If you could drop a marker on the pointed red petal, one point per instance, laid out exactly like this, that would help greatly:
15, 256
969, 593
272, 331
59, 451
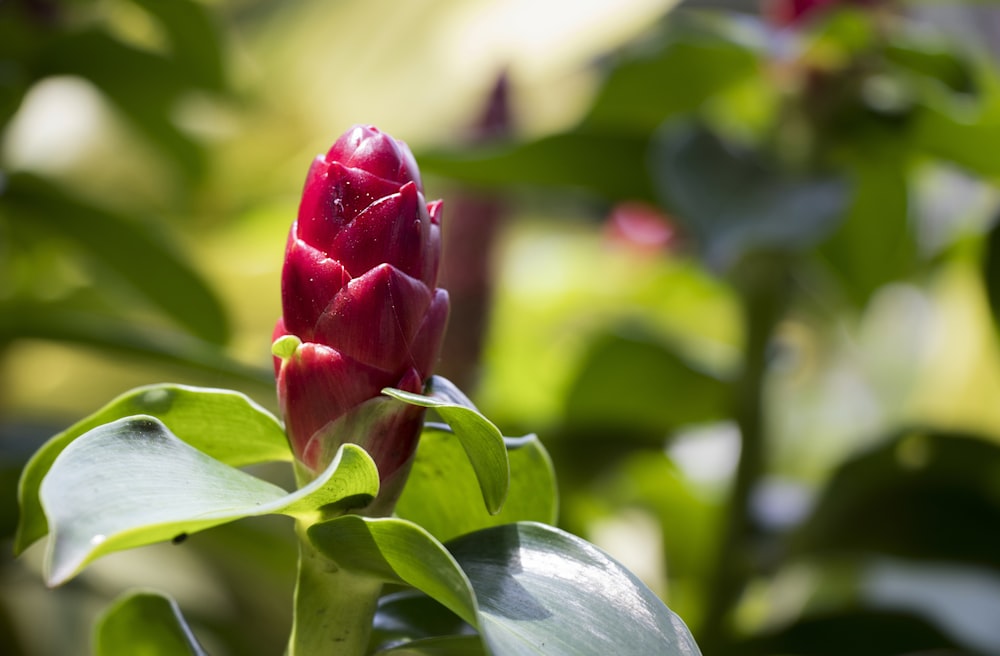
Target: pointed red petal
318, 218
375, 317
366, 147
309, 282
394, 230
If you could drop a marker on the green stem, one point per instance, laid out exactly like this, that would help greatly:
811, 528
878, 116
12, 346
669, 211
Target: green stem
334, 608
763, 296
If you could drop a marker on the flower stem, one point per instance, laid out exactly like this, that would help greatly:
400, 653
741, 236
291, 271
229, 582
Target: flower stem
334, 608
763, 291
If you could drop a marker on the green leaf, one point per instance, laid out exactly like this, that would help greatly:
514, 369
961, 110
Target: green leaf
875, 244
194, 39
226, 425
68, 322
481, 440
672, 75
939, 489
542, 590
129, 248
397, 551
146, 623
528, 588
737, 203
605, 162
859, 631
631, 381
966, 142
990, 268
132, 482
442, 493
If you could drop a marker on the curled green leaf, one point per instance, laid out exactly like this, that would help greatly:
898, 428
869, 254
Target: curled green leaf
224, 424
133, 482
482, 441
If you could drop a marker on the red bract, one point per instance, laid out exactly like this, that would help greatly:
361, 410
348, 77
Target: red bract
785, 13
358, 289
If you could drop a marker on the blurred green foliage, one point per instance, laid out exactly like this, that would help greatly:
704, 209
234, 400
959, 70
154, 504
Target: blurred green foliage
829, 297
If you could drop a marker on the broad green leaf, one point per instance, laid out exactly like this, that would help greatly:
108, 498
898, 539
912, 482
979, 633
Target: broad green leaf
605, 162
528, 588
194, 39
147, 624
226, 425
481, 440
871, 631
939, 488
542, 590
630, 381
970, 143
69, 322
876, 243
932, 60
132, 482
736, 203
442, 494
137, 254
674, 74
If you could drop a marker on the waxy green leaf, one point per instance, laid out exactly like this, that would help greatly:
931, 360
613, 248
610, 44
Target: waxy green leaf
482, 441
132, 482
442, 493
147, 623
226, 425
528, 588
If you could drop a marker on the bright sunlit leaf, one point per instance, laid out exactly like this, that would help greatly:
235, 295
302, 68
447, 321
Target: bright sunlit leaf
132, 482
526, 587
226, 425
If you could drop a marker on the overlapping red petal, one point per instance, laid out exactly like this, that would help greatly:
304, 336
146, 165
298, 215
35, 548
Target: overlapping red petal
375, 318
309, 283
395, 230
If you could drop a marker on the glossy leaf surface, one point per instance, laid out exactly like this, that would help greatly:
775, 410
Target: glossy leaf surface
938, 488
133, 482
528, 588
226, 425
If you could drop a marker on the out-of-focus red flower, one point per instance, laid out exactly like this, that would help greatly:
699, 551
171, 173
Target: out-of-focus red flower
359, 291
785, 13
640, 227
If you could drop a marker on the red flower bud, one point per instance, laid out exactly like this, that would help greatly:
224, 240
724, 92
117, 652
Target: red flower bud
358, 289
